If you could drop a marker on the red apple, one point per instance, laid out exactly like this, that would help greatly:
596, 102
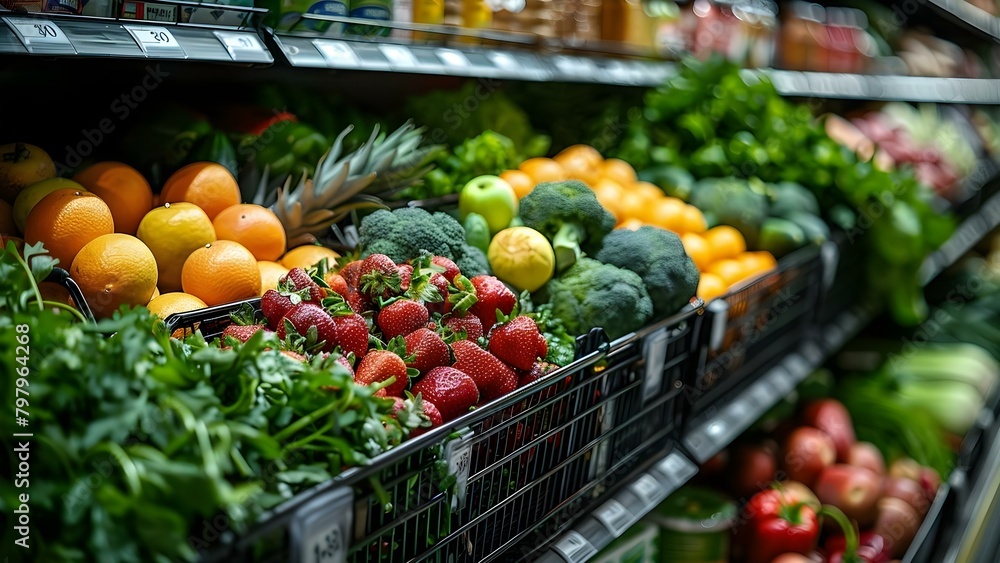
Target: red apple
807, 452
753, 468
865, 454
908, 490
905, 467
800, 493
854, 490
832, 417
930, 481
898, 523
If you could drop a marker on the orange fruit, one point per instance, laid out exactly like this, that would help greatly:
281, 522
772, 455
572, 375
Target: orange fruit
208, 185
18, 243
543, 170
175, 302
632, 205
694, 221
711, 286
51, 291
65, 221
619, 171
609, 195
270, 273
307, 256
172, 233
756, 263
697, 249
520, 181
648, 190
725, 241
29, 197
631, 224
221, 272
114, 270
667, 213
580, 168
253, 226
731, 271
123, 188
7, 226
586, 153
21, 165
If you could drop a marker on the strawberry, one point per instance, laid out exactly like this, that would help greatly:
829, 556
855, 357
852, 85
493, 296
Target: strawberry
294, 355
351, 335
469, 324
518, 343
298, 279
428, 350
450, 268
241, 332
491, 296
379, 277
441, 283
310, 322
451, 391
275, 305
342, 360
337, 284
358, 302
433, 414
493, 377
402, 317
405, 273
378, 366
351, 272
537, 371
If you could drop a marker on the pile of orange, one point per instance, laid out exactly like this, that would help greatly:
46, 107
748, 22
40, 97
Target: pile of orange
720, 253
633, 202
198, 247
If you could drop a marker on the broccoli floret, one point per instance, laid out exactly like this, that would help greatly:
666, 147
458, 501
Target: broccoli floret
569, 214
591, 294
658, 256
404, 234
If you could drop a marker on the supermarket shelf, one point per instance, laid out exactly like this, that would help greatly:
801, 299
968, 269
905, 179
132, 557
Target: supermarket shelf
54, 35
884, 88
968, 233
969, 16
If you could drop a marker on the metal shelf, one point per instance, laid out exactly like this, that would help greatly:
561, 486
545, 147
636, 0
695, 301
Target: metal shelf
969, 16
968, 233
55, 35
884, 88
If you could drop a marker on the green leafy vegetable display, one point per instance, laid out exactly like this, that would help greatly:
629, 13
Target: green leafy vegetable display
714, 121
144, 445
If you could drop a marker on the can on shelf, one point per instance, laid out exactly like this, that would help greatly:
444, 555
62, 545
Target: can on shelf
695, 526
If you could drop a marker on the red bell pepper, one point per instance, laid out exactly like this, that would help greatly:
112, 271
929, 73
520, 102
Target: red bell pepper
850, 548
778, 522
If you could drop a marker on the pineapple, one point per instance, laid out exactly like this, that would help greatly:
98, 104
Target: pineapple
379, 168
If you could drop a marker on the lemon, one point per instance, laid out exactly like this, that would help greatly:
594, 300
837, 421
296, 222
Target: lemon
172, 232
30, 196
522, 257
270, 273
171, 303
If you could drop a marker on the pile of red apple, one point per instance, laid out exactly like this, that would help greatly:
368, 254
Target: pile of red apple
822, 463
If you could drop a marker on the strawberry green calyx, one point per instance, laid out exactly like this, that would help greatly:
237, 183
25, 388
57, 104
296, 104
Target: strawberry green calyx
464, 296
378, 283
335, 305
246, 315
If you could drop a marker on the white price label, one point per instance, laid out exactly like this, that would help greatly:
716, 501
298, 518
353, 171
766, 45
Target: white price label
337, 54
399, 57
648, 489
320, 532
453, 58
615, 517
155, 40
459, 454
41, 36
242, 45
574, 547
655, 352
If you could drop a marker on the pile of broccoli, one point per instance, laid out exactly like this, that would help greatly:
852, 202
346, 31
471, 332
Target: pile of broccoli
570, 216
404, 234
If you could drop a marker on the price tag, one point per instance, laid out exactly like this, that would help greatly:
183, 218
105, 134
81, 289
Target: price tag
320, 531
615, 517
574, 548
399, 57
459, 454
338, 54
649, 490
452, 58
41, 36
655, 352
156, 41
243, 46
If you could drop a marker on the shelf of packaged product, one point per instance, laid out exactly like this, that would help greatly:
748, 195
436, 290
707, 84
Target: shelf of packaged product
56, 35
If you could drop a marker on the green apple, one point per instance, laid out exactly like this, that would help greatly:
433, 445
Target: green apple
490, 196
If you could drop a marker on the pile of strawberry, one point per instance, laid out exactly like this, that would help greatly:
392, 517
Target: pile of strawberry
416, 329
